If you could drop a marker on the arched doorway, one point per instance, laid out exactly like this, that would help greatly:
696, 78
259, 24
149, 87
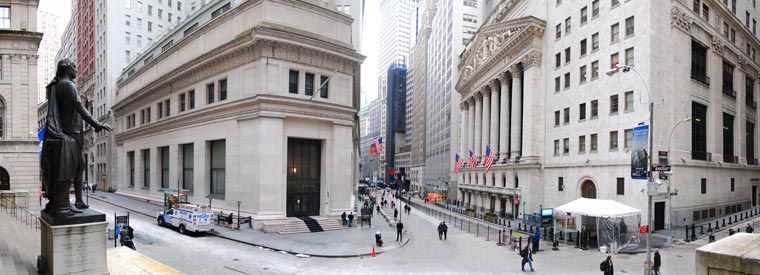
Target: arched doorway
5, 179
588, 189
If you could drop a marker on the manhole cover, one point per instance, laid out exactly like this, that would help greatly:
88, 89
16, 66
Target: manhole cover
235, 260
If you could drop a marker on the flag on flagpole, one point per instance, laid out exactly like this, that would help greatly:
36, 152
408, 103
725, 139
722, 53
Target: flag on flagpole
379, 145
489, 158
372, 152
458, 162
473, 159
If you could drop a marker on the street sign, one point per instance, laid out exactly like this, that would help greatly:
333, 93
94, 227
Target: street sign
643, 229
665, 168
662, 156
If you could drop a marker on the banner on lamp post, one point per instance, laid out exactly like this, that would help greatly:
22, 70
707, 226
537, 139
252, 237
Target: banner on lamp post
639, 153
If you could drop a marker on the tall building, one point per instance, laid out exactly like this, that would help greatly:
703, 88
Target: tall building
444, 48
396, 37
68, 45
417, 95
19, 162
51, 25
564, 129
267, 119
119, 31
371, 117
395, 123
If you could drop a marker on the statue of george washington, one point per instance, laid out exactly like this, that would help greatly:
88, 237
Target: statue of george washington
62, 161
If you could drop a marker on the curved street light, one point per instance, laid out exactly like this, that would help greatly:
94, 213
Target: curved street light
670, 197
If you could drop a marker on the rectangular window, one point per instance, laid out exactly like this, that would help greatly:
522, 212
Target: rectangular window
557, 84
150, 26
187, 166
566, 114
628, 138
160, 14
621, 186
594, 8
139, 41
127, 56
148, 113
613, 140
191, 96
582, 111
699, 63
150, 10
583, 47
131, 164
567, 80
582, 74
182, 102
629, 26
146, 168
556, 118
728, 79
698, 131
705, 12
557, 60
210, 94
615, 3
615, 31
126, 22
703, 186
613, 104
696, 5
565, 146
593, 142
309, 85
142, 117
5, 17
560, 184
164, 166
614, 60
581, 144
595, 70
629, 56
160, 110
167, 106
567, 26
559, 31
221, 10
595, 41
556, 147
732, 184
293, 82
127, 38
584, 15
222, 89
750, 150
594, 108
567, 56
190, 30
629, 101
217, 157
728, 138
325, 84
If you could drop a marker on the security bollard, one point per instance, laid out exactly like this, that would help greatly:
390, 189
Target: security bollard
687, 234
578, 239
709, 227
716, 225
519, 245
729, 220
724, 222
561, 236
701, 230
545, 235
509, 223
693, 236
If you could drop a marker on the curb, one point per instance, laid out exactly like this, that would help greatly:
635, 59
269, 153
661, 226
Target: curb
214, 233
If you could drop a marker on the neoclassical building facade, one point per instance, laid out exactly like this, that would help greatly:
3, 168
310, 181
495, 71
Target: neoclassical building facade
534, 88
245, 106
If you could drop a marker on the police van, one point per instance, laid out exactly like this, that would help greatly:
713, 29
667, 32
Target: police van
186, 217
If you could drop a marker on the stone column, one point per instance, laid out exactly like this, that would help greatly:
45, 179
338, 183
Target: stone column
532, 84
465, 122
471, 128
478, 123
494, 118
499, 205
486, 126
516, 132
504, 119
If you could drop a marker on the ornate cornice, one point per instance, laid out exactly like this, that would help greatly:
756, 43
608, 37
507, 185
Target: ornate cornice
514, 70
680, 19
532, 59
503, 78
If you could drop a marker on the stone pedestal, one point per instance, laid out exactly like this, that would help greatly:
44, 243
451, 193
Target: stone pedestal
74, 245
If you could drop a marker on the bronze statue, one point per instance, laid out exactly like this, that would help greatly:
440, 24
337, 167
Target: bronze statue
62, 161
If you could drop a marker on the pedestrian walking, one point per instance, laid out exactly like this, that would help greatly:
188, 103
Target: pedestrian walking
442, 230
378, 239
378, 209
395, 213
343, 218
749, 228
350, 219
536, 238
229, 220
399, 229
657, 262
527, 257
607, 266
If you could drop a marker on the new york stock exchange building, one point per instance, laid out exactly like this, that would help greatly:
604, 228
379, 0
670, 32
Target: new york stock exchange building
244, 106
533, 86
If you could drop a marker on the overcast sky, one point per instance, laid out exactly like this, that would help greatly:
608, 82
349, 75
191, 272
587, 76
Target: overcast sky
60, 7
370, 50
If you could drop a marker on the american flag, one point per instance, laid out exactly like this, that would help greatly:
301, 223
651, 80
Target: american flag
458, 162
473, 159
379, 145
489, 158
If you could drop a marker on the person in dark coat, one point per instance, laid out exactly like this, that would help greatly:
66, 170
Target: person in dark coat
442, 229
749, 228
395, 213
399, 229
527, 257
350, 219
536, 238
607, 266
343, 219
657, 262
378, 239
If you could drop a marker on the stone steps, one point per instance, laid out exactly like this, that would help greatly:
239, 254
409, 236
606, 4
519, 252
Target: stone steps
19, 247
299, 226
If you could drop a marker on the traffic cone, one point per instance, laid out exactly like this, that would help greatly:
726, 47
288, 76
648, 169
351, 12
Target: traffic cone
373, 251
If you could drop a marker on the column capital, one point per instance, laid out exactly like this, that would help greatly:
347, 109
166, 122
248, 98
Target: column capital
478, 94
532, 59
514, 70
503, 78
496, 82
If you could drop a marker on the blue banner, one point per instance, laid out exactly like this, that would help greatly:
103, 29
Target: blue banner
639, 153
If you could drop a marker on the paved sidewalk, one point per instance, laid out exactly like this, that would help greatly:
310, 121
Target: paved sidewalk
339, 243
19, 246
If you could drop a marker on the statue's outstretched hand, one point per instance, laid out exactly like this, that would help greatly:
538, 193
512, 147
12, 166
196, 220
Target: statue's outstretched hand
103, 126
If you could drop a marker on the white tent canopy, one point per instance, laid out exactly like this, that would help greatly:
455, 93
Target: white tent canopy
596, 208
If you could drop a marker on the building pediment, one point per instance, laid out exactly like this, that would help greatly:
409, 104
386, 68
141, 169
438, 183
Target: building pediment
494, 42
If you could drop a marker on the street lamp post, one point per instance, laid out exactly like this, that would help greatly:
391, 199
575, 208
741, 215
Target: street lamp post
650, 179
670, 197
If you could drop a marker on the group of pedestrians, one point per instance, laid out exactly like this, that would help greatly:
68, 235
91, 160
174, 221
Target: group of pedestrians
348, 220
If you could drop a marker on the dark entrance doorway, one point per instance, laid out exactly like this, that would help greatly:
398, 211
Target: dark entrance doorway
5, 179
588, 189
659, 215
754, 195
303, 178
588, 224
